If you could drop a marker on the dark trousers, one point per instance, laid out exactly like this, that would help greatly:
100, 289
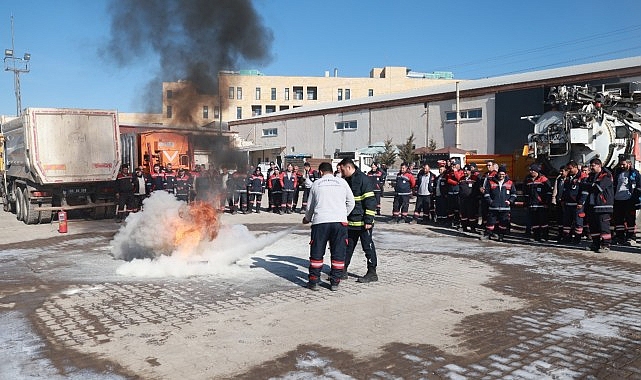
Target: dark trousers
624, 219
296, 196
124, 200
453, 207
600, 229
423, 206
288, 199
377, 196
336, 235
441, 208
305, 198
401, 205
276, 200
366, 243
573, 221
539, 222
497, 222
255, 200
469, 211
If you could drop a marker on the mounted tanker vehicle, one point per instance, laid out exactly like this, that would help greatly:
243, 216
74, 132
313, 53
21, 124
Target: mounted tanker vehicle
585, 123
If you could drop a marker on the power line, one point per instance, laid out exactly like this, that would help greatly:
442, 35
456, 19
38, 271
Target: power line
549, 46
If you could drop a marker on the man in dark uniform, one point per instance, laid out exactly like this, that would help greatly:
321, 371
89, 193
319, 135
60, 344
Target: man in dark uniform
361, 220
124, 193
538, 194
598, 197
378, 178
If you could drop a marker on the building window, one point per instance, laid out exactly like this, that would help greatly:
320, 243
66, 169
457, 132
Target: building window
170, 94
270, 132
283, 108
370, 92
257, 93
216, 112
476, 113
270, 109
231, 92
205, 112
273, 93
239, 112
287, 94
257, 110
340, 94
312, 93
347, 94
298, 93
346, 125
239, 93
170, 113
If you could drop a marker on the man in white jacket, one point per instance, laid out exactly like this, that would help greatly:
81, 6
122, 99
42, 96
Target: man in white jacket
330, 201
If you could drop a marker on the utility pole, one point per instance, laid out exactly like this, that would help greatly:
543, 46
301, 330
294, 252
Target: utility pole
17, 65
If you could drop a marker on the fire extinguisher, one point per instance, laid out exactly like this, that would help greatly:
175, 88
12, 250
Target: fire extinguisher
62, 221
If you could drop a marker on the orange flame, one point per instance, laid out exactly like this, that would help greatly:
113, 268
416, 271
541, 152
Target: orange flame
198, 221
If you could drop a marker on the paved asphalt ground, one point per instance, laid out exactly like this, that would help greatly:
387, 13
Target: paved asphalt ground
447, 306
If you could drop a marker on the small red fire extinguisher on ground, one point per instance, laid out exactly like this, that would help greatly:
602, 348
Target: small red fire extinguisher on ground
62, 221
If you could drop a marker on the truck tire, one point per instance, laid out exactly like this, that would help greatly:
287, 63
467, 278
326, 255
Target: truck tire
46, 216
19, 204
31, 213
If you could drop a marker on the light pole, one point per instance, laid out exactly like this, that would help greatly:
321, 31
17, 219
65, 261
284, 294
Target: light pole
17, 65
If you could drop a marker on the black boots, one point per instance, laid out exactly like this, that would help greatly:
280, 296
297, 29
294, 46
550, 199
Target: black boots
370, 276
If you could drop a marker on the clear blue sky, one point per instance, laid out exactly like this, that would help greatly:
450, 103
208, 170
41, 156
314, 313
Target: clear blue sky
471, 38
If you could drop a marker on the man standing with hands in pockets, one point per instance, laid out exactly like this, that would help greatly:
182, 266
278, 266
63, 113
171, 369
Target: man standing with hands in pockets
330, 201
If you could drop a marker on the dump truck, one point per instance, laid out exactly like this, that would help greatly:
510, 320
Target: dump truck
59, 159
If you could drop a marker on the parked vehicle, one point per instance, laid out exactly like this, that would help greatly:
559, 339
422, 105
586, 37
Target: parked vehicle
585, 122
59, 159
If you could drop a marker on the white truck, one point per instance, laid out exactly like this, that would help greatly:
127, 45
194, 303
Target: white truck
59, 159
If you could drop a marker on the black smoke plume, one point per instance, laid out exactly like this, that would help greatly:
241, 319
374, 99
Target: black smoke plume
194, 39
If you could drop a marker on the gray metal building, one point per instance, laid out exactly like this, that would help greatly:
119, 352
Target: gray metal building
490, 112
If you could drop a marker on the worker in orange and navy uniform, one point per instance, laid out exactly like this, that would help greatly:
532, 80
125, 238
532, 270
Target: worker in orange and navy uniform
275, 186
538, 193
183, 185
157, 178
491, 172
124, 193
256, 188
170, 179
378, 179
469, 196
499, 195
289, 182
598, 199
571, 199
454, 175
405, 184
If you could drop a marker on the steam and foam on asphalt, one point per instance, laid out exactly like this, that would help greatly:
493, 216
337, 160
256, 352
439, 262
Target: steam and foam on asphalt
173, 238
194, 39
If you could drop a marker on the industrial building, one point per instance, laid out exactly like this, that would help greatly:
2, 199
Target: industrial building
490, 115
249, 93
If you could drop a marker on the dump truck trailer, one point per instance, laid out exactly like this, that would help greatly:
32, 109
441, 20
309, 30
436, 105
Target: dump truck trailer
59, 159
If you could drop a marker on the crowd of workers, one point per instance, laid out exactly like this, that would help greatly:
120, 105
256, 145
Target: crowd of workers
583, 201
